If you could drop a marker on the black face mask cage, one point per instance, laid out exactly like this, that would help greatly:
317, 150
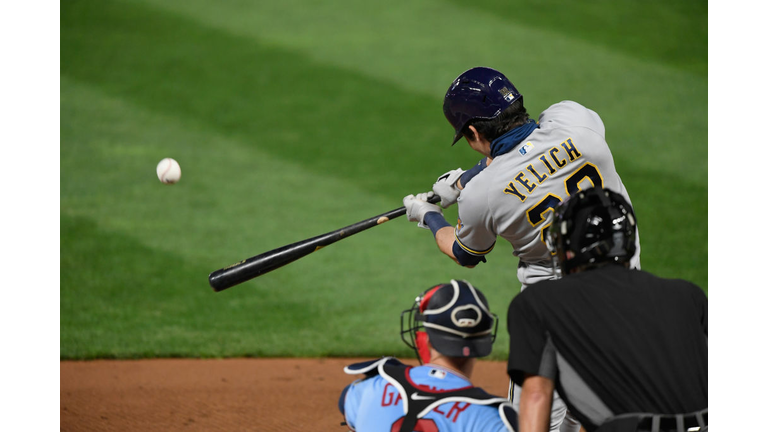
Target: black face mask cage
410, 323
495, 327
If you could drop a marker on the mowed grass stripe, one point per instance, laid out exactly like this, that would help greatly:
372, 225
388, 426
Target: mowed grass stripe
672, 219
639, 83
136, 254
673, 32
329, 120
227, 185
323, 143
121, 299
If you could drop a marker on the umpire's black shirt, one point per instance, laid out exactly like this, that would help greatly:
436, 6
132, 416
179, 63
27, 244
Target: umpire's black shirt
614, 341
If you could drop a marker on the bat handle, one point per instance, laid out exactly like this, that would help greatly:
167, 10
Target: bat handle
434, 199
257, 265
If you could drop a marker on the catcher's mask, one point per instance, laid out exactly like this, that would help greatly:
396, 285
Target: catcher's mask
593, 227
456, 318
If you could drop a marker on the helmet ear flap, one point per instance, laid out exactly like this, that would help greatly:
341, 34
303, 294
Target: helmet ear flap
411, 330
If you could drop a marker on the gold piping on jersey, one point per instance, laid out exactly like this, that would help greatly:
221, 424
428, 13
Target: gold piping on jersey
543, 158
535, 173
541, 175
512, 190
572, 183
472, 251
552, 152
520, 178
540, 215
571, 150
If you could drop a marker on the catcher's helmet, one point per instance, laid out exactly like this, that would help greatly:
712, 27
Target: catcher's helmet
591, 227
479, 93
456, 318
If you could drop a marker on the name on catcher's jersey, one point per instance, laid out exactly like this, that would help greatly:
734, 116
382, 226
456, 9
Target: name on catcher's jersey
515, 196
377, 405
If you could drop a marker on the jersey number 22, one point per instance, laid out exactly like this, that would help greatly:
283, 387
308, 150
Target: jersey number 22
537, 213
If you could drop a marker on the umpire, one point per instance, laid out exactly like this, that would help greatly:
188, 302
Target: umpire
625, 349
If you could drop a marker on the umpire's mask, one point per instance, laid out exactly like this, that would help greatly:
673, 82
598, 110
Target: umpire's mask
591, 228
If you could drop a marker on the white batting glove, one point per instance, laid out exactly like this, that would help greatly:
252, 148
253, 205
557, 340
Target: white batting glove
445, 187
417, 206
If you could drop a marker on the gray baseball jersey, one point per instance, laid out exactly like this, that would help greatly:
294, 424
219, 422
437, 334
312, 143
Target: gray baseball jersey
515, 195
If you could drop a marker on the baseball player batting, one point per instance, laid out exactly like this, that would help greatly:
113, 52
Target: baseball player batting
528, 168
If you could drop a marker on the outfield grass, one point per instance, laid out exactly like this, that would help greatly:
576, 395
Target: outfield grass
293, 118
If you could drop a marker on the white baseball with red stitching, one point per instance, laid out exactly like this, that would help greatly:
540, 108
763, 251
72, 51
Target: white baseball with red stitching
168, 171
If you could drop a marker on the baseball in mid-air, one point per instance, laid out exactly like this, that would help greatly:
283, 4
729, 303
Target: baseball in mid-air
168, 171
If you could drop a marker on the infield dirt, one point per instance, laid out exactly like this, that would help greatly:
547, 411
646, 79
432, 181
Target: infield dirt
215, 394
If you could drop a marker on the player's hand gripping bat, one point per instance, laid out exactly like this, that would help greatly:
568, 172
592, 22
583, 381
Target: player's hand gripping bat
257, 265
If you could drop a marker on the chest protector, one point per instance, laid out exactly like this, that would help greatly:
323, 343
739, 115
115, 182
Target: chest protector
418, 402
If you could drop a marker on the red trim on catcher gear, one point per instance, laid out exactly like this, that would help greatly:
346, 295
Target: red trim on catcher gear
425, 299
422, 425
422, 346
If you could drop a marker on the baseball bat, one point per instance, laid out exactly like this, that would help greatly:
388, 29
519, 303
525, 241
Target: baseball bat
258, 265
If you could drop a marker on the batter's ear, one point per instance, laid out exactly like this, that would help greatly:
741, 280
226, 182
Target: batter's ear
472, 133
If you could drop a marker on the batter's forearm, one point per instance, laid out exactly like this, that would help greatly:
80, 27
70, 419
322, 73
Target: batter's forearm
444, 236
445, 239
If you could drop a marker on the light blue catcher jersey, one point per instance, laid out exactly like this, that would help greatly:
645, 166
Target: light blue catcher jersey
515, 195
376, 405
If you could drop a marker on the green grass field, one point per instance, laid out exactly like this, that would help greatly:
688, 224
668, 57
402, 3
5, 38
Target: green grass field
294, 118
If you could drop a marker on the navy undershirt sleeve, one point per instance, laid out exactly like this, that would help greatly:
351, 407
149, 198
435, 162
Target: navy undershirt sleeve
465, 258
475, 170
435, 221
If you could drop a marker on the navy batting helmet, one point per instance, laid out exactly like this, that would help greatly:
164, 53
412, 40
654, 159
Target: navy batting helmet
479, 93
456, 318
591, 227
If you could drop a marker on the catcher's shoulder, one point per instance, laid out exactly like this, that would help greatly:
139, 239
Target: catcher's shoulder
370, 368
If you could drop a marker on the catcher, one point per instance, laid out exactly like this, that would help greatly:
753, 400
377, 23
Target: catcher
449, 327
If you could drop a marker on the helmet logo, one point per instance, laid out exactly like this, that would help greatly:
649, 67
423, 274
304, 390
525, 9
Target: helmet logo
465, 351
506, 94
